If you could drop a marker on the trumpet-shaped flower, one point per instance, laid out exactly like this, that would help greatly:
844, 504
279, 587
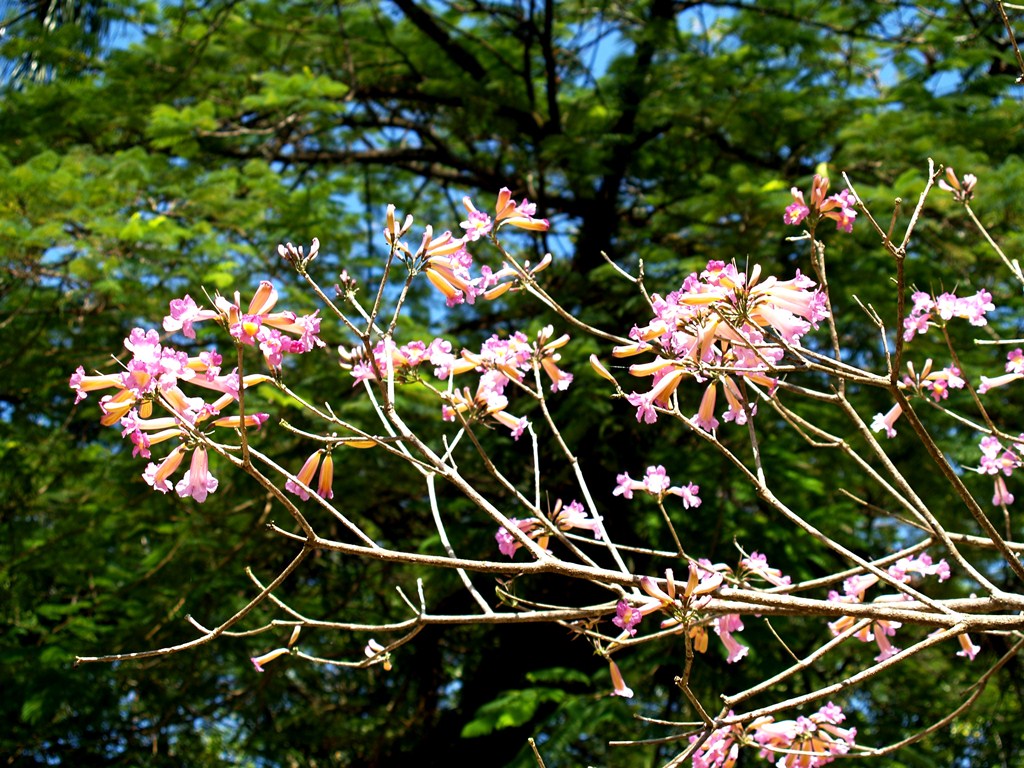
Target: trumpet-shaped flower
266, 658
619, 687
156, 474
967, 648
197, 482
1001, 495
724, 627
305, 476
884, 422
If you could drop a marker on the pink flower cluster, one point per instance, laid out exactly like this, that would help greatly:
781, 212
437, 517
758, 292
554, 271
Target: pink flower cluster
448, 264
656, 482
838, 207
705, 578
499, 362
806, 741
275, 333
880, 631
946, 306
153, 377
936, 383
962, 192
999, 461
683, 608
564, 518
801, 743
719, 328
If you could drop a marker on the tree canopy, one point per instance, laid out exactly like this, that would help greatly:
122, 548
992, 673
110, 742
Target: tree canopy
160, 147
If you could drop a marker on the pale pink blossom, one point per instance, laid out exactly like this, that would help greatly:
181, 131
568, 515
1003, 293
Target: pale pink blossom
619, 687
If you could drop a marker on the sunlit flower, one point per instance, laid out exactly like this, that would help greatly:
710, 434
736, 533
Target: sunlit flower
962, 192
324, 488
619, 687
838, 207
884, 422
626, 617
305, 476
724, 627
197, 482
807, 741
156, 475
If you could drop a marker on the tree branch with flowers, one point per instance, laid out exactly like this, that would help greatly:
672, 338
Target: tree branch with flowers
757, 347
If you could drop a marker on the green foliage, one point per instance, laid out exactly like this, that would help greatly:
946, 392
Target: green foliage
180, 157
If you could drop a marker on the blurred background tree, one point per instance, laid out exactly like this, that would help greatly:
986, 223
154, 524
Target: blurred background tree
148, 149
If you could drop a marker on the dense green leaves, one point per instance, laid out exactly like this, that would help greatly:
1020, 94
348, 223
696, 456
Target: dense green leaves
207, 133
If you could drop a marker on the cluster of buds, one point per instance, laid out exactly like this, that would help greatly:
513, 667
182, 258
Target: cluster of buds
946, 306
719, 328
705, 577
962, 191
838, 207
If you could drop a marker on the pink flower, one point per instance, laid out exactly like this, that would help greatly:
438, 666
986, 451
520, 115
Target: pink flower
796, 211
1002, 495
574, 515
757, 564
885, 422
619, 687
185, 312
508, 544
305, 476
881, 631
724, 627
626, 617
967, 648
688, 493
156, 476
197, 482
266, 658
478, 224
838, 207
705, 416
